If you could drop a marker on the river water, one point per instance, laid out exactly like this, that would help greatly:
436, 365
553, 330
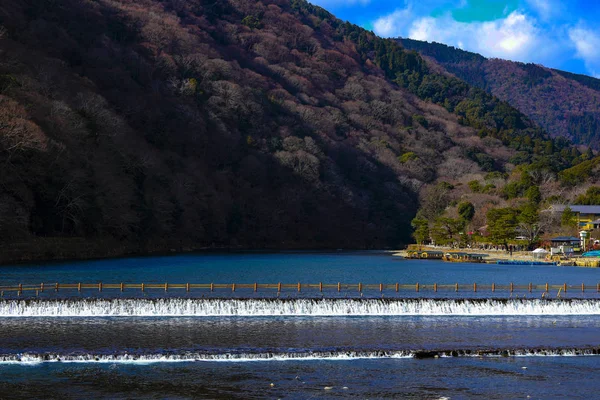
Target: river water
330, 344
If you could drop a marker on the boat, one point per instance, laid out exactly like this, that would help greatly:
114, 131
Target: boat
464, 257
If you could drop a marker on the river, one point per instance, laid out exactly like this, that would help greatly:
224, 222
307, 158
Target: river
312, 344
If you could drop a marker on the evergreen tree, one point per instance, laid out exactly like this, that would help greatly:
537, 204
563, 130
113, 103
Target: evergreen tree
502, 224
421, 227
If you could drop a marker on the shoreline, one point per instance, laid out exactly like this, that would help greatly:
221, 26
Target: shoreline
496, 256
491, 254
50, 251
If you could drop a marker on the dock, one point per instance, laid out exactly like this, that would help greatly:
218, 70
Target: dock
524, 262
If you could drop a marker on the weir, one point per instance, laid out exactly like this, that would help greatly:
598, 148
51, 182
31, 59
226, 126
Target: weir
181, 307
308, 355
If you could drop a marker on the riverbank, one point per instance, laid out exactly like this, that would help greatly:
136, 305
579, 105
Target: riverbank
490, 254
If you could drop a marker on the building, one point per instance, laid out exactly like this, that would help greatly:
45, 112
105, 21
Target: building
565, 241
564, 245
588, 217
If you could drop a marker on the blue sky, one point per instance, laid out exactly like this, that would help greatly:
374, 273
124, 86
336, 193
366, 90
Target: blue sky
558, 34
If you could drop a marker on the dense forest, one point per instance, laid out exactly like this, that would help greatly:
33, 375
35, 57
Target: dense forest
565, 104
171, 125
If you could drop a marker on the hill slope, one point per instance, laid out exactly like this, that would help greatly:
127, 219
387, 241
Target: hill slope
136, 126
565, 104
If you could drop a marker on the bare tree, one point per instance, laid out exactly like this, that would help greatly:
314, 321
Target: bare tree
542, 176
17, 132
550, 221
302, 163
71, 206
101, 120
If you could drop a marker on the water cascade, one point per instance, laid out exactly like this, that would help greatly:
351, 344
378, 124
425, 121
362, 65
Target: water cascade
295, 307
287, 356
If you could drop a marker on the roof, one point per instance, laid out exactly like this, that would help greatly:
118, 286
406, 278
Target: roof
540, 250
565, 239
579, 209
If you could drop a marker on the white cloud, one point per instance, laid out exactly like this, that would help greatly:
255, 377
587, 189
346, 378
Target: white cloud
538, 33
514, 37
587, 44
394, 24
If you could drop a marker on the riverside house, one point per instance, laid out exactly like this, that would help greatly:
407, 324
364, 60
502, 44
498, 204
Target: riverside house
588, 217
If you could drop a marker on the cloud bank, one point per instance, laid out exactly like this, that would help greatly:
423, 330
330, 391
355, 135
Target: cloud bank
538, 32
513, 37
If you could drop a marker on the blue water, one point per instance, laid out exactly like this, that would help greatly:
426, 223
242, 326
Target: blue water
346, 267
496, 353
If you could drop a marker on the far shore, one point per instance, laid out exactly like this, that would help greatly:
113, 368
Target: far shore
491, 254
51, 251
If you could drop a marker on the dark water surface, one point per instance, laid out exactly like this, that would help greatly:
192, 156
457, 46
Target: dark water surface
346, 267
132, 345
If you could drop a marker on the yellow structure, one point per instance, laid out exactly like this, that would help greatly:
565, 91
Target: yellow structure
464, 257
425, 254
588, 217
587, 262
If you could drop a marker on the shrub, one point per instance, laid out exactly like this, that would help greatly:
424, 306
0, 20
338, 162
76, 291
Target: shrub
475, 186
252, 22
408, 156
421, 120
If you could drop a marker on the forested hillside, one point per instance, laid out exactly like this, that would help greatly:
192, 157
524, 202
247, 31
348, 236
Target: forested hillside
565, 104
157, 125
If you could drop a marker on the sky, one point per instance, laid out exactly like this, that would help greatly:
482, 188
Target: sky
558, 34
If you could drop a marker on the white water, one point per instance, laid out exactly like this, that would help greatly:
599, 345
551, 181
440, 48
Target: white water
33, 358
297, 307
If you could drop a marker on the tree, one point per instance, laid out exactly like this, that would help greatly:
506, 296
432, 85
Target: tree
466, 210
475, 186
568, 219
17, 131
421, 227
529, 222
534, 195
590, 198
252, 22
446, 229
502, 224
434, 201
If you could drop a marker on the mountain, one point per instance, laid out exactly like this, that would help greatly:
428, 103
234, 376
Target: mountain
168, 125
565, 104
